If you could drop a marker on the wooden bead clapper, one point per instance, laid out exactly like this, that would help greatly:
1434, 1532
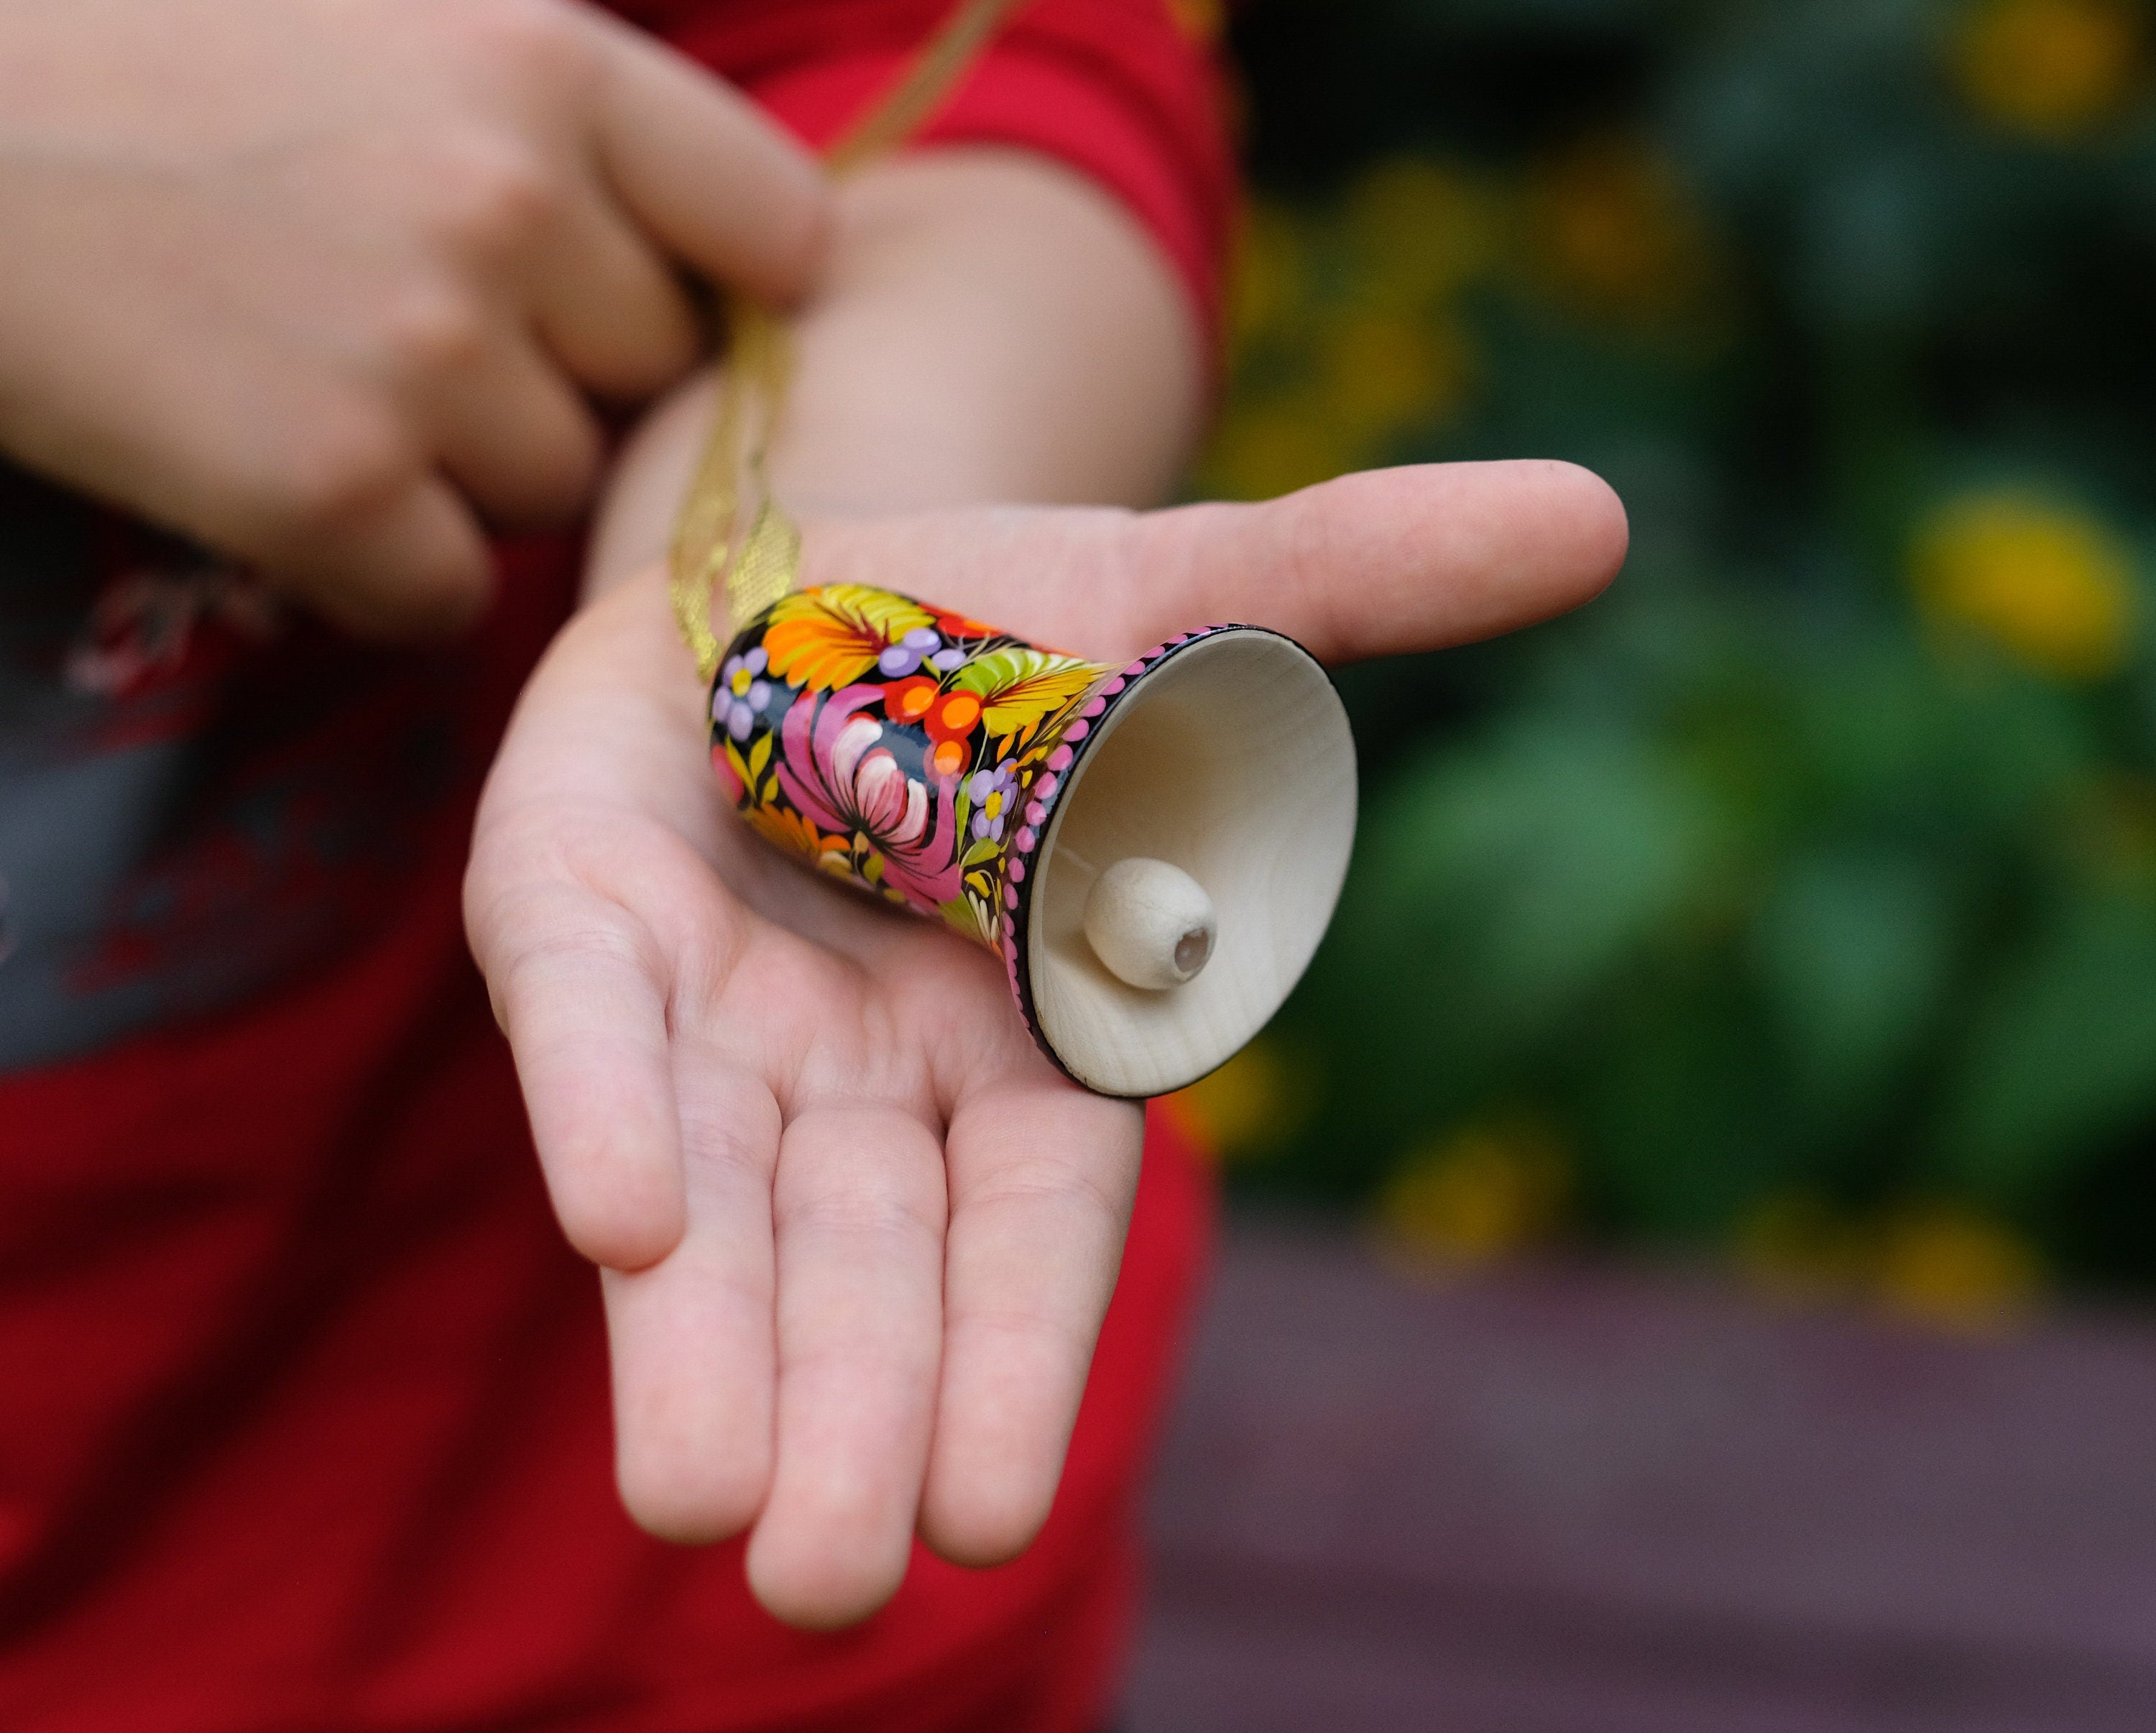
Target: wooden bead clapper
1150, 924
1154, 851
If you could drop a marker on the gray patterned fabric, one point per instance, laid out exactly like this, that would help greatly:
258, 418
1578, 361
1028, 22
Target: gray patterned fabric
194, 799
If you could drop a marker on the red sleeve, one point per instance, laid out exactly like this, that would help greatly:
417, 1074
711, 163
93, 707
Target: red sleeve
1120, 89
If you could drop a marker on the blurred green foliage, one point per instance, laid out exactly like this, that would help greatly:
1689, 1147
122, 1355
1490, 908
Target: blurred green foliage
1801, 892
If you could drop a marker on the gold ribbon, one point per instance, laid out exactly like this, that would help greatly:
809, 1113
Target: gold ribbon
711, 558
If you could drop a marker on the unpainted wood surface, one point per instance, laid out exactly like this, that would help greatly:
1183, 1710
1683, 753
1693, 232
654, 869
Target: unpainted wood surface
1234, 764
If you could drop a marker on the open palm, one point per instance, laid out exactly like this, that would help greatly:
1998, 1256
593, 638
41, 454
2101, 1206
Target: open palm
858, 1236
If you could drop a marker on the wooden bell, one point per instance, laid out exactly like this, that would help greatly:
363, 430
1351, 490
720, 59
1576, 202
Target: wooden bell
1154, 852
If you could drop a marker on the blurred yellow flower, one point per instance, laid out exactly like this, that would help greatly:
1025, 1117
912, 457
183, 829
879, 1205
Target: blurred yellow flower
2051, 68
1268, 282
1609, 228
1251, 1105
1939, 1262
1798, 1244
1487, 1190
1948, 1265
1263, 451
1380, 373
1336, 363
2050, 583
1418, 229
1367, 376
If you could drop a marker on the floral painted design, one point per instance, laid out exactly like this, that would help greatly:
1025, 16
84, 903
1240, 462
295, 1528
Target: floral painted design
739, 691
912, 751
892, 742
832, 637
1020, 688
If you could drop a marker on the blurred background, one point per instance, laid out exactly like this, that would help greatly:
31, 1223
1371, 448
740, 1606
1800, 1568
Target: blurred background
1696, 1222
1794, 906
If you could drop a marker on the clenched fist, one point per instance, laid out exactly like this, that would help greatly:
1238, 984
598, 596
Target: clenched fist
329, 285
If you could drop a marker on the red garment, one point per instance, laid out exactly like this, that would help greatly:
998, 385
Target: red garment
305, 1419
1115, 88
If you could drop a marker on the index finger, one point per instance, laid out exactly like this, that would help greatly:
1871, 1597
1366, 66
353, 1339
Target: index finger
709, 177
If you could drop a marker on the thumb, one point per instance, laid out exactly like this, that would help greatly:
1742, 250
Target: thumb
1389, 560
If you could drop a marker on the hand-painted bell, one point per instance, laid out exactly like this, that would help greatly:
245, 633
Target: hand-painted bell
1154, 851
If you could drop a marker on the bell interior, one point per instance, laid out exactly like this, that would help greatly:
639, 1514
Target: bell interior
1233, 761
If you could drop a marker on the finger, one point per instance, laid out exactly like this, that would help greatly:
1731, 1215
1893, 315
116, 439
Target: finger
1389, 560
694, 1363
515, 436
858, 1203
607, 306
414, 564
325, 495
1041, 1176
698, 166
579, 988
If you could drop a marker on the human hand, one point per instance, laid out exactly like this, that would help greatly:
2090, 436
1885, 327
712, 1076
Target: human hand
857, 1236
323, 283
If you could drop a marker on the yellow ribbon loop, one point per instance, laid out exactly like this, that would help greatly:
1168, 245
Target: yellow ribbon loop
704, 562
